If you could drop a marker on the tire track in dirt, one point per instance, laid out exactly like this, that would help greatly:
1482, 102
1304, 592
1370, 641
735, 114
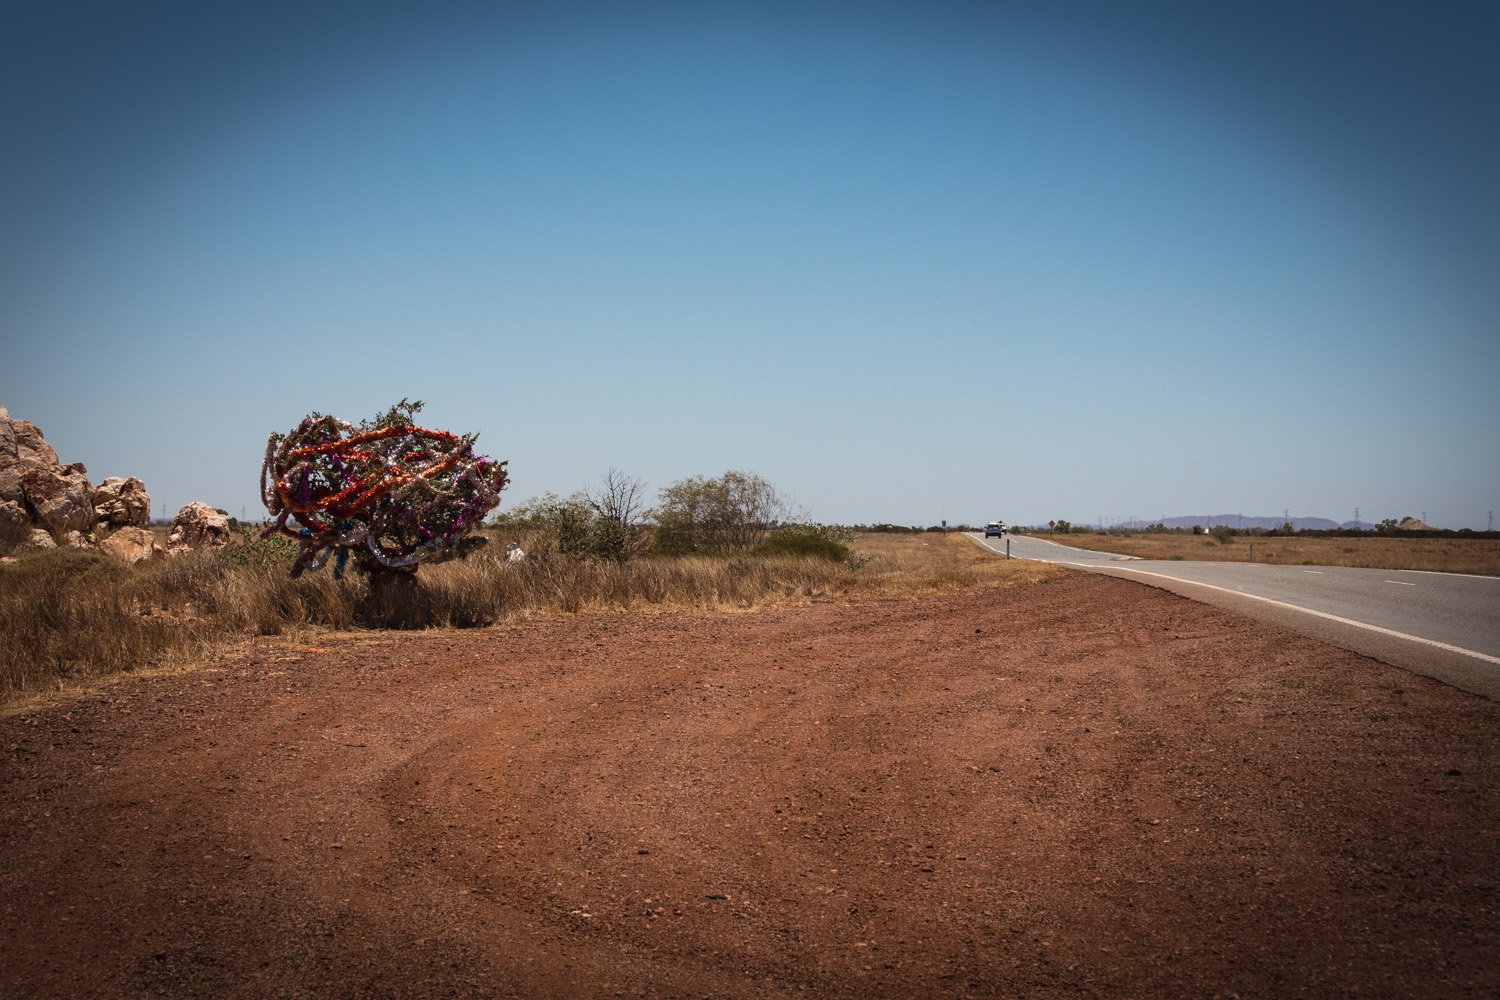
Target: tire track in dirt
1079, 787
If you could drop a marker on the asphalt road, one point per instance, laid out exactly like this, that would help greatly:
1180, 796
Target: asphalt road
1442, 625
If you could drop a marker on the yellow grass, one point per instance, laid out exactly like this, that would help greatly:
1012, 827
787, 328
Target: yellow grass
932, 561
67, 617
1449, 555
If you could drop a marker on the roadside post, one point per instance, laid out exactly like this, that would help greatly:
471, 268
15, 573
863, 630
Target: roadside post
1007, 548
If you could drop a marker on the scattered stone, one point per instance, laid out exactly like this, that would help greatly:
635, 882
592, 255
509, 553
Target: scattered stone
77, 540
197, 525
130, 544
122, 501
41, 540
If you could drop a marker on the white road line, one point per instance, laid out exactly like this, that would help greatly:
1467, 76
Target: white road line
1314, 572
1438, 572
1401, 583
1309, 611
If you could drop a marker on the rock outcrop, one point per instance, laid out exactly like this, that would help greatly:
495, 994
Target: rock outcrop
196, 525
54, 502
60, 496
12, 495
122, 502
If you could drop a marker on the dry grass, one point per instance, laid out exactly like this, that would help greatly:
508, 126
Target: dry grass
1449, 555
932, 562
68, 617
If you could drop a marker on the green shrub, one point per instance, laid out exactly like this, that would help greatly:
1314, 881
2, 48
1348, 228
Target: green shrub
247, 548
823, 541
728, 514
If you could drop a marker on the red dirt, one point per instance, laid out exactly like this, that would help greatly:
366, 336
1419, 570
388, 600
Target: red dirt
1084, 787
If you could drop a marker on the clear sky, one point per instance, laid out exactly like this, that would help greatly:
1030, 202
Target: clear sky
906, 261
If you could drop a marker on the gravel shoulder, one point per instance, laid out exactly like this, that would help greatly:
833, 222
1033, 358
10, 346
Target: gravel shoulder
1080, 787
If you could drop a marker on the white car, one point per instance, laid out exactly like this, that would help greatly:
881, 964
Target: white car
994, 529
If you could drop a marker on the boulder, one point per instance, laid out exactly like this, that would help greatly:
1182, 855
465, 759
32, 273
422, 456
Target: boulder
77, 540
131, 544
40, 541
12, 512
120, 501
196, 525
60, 495
30, 447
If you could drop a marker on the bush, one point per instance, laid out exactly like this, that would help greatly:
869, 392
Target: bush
247, 548
728, 514
823, 541
568, 526
1222, 533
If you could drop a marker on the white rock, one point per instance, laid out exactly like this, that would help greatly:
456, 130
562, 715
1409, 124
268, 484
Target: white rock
60, 495
131, 544
196, 525
122, 501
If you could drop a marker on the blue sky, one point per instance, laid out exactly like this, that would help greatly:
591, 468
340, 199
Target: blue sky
905, 261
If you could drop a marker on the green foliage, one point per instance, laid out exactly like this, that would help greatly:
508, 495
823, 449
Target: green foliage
247, 548
728, 514
609, 539
403, 413
1222, 533
824, 541
568, 526
1060, 526
1386, 527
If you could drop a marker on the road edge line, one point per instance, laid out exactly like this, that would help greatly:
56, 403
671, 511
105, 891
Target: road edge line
1446, 647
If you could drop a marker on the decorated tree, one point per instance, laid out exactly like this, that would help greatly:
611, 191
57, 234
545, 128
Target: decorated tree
387, 493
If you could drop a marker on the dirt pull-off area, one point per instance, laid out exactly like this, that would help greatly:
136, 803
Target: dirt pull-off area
1085, 787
